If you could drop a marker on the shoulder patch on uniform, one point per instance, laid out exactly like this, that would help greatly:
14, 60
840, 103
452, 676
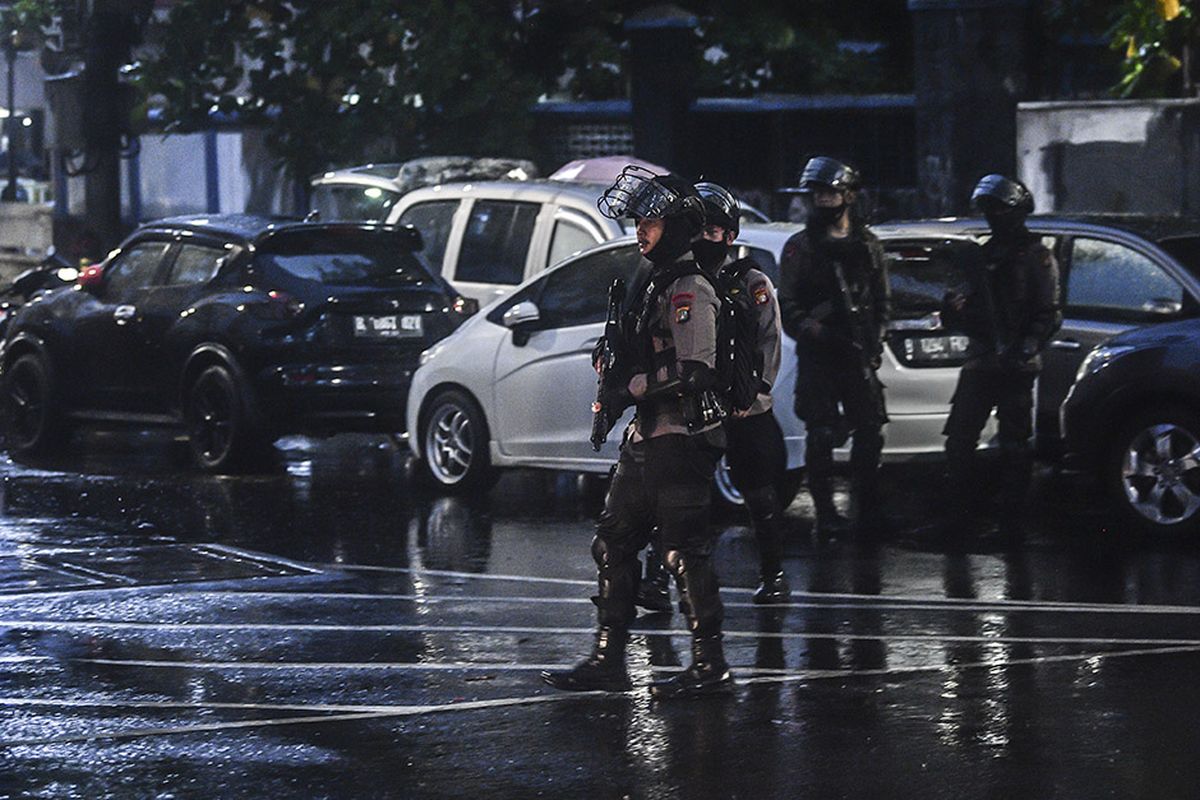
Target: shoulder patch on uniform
761, 292
683, 313
682, 298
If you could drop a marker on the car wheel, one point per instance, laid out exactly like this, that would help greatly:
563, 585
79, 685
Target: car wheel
1152, 472
219, 418
728, 496
35, 423
454, 445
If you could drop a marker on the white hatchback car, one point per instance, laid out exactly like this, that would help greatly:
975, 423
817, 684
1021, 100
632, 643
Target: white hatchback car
513, 386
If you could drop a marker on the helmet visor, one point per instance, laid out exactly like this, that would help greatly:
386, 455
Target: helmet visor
636, 193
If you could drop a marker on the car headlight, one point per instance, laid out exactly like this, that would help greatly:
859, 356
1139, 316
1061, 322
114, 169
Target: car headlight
1101, 357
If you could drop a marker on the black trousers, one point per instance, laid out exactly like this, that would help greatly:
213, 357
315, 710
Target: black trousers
755, 452
664, 482
980, 389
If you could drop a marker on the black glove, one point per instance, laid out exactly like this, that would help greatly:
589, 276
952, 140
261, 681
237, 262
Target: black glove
616, 399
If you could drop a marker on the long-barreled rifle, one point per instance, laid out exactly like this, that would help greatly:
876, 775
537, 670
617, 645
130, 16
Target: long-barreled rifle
610, 368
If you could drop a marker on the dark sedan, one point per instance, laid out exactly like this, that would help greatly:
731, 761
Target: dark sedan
1133, 417
240, 328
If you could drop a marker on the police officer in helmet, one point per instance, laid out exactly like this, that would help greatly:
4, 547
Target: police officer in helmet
664, 474
835, 301
1009, 310
755, 450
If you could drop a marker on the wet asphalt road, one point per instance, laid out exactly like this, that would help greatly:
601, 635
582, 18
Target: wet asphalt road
327, 631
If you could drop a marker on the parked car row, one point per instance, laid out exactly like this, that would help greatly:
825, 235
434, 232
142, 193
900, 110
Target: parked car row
241, 329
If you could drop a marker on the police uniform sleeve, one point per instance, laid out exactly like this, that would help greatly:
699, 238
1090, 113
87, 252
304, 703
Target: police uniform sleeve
881, 287
793, 267
766, 306
693, 321
1045, 316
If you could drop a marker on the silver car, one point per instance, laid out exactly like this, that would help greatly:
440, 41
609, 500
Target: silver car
513, 386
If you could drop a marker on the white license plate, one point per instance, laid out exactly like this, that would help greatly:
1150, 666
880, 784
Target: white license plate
387, 326
932, 349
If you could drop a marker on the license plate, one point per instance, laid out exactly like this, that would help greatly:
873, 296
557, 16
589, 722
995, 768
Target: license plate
935, 349
387, 326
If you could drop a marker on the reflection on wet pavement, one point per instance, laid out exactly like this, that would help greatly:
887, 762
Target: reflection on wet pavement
326, 630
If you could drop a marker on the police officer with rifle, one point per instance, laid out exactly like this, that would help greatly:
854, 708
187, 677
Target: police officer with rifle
668, 454
1009, 310
835, 301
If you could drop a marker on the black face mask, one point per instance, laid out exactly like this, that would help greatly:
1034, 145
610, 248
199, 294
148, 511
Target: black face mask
1005, 223
824, 216
709, 254
676, 240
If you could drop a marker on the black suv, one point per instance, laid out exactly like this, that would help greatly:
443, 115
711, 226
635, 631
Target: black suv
242, 328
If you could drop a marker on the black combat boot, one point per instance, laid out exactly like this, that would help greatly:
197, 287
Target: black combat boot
765, 519
654, 593
708, 674
604, 670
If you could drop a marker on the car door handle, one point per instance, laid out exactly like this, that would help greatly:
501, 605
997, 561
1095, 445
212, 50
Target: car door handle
124, 314
590, 344
1066, 344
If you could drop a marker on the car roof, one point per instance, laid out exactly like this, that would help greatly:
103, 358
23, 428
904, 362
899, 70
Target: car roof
1148, 226
542, 190
250, 228
405, 176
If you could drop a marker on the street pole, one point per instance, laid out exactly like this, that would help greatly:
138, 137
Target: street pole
9, 194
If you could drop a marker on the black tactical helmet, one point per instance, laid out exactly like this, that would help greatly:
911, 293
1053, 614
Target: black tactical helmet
827, 172
640, 193
720, 206
1003, 194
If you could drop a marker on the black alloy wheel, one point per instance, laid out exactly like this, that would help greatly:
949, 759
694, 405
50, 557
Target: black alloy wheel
35, 425
218, 415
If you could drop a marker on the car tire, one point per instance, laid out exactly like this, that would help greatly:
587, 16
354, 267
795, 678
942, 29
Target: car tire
219, 413
35, 425
728, 497
454, 445
1152, 471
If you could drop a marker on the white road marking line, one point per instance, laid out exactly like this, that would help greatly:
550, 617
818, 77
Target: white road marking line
588, 631
383, 712
884, 603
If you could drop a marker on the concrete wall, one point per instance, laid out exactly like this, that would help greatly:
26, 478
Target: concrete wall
25, 235
1111, 156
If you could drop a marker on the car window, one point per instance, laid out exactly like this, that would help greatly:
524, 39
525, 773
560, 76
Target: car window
1108, 280
568, 238
135, 268
577, 294
351, 261
434, 221
353, 202
194, 264
920, 274
496, 242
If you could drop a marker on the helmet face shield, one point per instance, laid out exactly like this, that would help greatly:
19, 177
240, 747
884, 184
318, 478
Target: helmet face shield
720, 206
638, 194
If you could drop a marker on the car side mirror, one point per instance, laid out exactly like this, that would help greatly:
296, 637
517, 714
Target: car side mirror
520, 318
91, 279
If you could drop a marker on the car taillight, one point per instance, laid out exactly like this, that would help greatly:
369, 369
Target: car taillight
278, 305
465, 306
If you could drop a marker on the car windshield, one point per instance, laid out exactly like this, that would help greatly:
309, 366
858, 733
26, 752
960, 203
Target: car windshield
353, 202
1185, 249
349, 259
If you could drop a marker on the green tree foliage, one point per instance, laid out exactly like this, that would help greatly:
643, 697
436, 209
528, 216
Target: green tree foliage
1158, 39
336, 81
